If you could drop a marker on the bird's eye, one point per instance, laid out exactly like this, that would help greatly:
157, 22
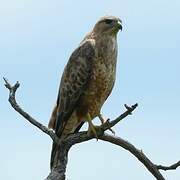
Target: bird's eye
108, 21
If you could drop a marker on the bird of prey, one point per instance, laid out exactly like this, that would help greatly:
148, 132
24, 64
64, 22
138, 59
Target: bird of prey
87, 80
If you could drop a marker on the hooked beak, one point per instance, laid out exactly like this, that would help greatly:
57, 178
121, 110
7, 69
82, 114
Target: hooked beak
119, 25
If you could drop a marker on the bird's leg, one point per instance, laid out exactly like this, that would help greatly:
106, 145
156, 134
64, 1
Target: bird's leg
91, 128
101, 119
104, 121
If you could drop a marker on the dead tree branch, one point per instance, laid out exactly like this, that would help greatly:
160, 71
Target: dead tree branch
136, 152
14, 104
172, 167
58, 173
112, 123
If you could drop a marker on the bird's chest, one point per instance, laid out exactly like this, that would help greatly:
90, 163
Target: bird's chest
102, 78
104, 69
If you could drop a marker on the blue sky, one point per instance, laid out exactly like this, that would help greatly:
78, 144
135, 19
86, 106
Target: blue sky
37, 38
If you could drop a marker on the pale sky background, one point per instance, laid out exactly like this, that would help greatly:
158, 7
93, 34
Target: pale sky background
36, 40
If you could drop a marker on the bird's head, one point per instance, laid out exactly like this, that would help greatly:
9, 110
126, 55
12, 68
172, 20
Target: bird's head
109, 25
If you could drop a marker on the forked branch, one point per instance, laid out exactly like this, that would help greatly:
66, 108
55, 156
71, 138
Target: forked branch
14, 104
59, 172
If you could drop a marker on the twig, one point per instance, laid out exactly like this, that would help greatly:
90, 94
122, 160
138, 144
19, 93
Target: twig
172, 167
14, 104
109, 124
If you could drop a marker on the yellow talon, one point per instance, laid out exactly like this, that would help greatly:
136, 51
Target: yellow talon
104, 121
91, 128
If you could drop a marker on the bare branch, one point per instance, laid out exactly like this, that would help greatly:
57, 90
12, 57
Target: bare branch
59, 171
82, 137
136, 152
154, 169
14, 104
110, 124
172, 167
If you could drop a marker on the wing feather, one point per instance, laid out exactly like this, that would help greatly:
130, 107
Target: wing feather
73, 82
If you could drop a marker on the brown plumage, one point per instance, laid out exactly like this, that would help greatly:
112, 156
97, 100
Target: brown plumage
87, 80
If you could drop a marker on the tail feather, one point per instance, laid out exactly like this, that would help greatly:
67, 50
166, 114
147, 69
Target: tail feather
70, 126
55, 148
53, 154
